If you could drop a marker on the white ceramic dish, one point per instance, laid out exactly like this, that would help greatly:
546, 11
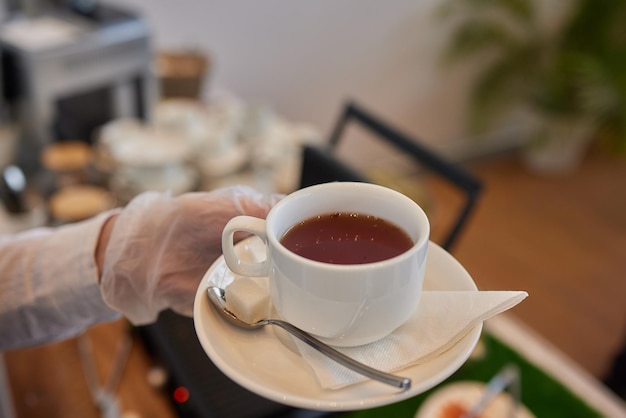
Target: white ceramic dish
127, 183
259, 362
464, 395
224, 163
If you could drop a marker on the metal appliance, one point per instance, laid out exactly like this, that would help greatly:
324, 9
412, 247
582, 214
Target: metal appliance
68, 67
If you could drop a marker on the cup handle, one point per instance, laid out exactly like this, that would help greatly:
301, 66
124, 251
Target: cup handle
249, 224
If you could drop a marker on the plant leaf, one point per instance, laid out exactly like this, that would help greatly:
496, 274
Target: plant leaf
521, 11
481, 37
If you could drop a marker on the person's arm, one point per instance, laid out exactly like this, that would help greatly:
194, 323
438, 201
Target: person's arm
49, 283
150, 256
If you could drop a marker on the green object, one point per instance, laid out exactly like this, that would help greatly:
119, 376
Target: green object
570, 69
541, 394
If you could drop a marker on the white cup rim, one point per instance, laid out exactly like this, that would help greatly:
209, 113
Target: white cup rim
422, 240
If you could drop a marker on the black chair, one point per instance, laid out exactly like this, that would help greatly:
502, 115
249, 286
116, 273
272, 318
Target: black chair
322, 164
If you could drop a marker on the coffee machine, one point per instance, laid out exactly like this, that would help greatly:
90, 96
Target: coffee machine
69, 66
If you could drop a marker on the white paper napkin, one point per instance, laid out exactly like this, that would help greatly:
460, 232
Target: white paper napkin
441, 320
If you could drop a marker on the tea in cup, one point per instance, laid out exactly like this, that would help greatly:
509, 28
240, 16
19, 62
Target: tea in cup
345, 260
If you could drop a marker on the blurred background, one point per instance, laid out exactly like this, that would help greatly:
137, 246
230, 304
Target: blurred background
102, 100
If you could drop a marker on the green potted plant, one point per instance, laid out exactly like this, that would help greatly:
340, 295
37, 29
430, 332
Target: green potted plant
570, 74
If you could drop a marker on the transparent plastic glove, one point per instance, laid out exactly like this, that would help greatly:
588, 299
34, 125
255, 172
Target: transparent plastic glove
161, 246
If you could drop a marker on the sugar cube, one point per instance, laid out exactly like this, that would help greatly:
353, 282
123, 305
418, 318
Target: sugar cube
248, 299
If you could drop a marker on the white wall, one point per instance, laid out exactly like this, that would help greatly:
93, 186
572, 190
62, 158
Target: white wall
305, 58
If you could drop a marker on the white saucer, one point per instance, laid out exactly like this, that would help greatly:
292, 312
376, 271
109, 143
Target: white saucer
464, 395
259, 362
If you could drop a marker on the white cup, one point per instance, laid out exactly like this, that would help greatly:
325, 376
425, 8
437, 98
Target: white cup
344, 305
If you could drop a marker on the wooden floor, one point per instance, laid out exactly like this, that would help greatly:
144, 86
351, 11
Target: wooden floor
562, 239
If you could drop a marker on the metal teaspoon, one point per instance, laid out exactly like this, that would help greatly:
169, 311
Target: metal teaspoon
217, 297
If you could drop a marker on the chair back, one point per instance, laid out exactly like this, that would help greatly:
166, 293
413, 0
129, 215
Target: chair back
320, 165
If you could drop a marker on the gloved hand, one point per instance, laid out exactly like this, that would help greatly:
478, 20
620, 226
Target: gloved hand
161, 246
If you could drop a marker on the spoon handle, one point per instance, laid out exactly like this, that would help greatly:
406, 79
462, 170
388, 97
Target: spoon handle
363, 369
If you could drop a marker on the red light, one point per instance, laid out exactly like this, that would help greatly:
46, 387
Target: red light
181, 394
